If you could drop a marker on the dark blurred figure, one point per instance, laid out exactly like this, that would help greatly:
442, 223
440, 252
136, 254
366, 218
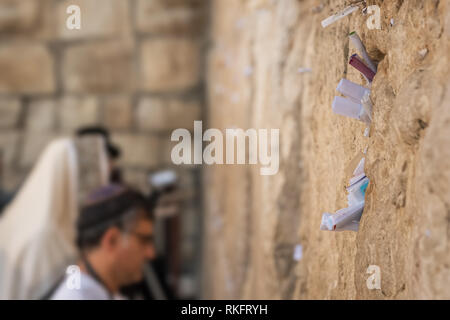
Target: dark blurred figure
5, 197
112, 150
162, 272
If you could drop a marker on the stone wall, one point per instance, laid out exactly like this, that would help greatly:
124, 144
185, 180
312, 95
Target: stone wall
135, 67
253, 221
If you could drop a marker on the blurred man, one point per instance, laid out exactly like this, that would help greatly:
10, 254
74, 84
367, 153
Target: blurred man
166, 200
115, 239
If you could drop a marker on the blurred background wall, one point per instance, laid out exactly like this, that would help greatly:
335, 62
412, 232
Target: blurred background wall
134, 67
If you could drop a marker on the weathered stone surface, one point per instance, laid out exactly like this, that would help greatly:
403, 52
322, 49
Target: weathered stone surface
75, 112
139, 150
170, 17
169, 64
167, 114
9, 142
26, 68
18, 14
99, 18
10, 109
100, 67
117, 112
41, 115
254, 222
28, 19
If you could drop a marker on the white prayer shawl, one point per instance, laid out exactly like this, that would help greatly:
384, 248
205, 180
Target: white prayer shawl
37, 230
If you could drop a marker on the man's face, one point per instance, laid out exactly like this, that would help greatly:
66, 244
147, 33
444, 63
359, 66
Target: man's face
135, 249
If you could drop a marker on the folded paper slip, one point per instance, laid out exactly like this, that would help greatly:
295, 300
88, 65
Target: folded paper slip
343, 219
359, 168
351, 168
356, 40
351, 90
358, 64
298, 252
356, 179
367, 104
337, 16
349, 108
357, 192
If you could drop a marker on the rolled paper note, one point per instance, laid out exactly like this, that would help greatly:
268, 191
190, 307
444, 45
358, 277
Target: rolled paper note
356, 40
304, 70
352, 90
359, 65
347, 107
341, 14
356, 179
351, 226
367, 104
364, 117
298, 252
354, 163
359, 168
327, 224
347, 215
357, 192
344, 219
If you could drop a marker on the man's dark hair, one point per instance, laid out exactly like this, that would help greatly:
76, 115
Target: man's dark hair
113, 150
110, 206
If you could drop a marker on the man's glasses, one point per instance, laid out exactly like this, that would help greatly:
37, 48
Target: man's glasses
144, 239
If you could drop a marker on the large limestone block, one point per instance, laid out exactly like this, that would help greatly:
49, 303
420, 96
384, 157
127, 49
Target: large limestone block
169, 64
26, 69
170, 17
99, 67
139, 150
167, 114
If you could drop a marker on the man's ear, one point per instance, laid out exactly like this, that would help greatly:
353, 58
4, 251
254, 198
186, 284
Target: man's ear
111, 238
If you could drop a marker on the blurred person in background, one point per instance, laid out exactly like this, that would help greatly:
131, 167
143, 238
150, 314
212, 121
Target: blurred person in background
37, 229
168, 208
112, 150
162, 273
5, 197
113, 153
115, 239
